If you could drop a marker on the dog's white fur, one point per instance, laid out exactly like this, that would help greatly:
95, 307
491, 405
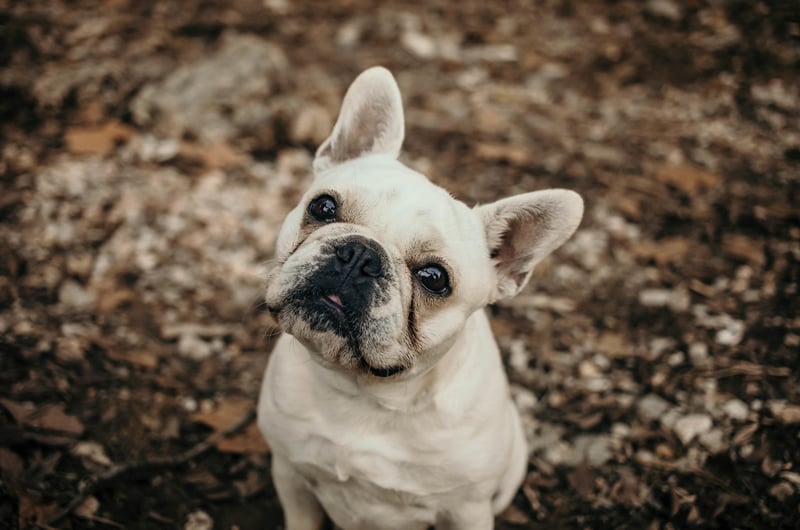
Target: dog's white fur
440, 443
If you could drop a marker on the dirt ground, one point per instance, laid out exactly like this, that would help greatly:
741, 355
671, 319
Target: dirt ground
151, 148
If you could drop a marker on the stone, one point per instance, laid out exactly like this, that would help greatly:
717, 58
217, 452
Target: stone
222, 96
198, 520
75, 297
687, 428
735, 409
652, 407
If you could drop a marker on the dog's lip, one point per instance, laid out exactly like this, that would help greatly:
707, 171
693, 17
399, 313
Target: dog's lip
383, 372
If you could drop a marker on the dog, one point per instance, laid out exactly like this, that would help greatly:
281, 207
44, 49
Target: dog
385, 402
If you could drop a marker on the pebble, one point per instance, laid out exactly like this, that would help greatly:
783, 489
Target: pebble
193, 347
198, 520
689, 427
74, 296
735, 409
665, 9
652, 407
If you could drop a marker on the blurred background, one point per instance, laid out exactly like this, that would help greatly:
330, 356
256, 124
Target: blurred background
150, 149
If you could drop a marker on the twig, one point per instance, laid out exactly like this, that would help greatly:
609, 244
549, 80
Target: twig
90, 485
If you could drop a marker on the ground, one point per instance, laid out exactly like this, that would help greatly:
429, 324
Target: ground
150, 150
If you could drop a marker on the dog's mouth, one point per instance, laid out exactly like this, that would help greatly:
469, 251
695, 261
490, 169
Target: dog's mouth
382, 372
334, 302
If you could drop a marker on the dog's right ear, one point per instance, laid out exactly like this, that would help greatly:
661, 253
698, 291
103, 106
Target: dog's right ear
370, 121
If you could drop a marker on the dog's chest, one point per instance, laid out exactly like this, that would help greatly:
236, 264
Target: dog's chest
372, 483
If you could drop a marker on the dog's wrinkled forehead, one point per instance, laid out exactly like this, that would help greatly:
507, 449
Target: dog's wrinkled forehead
401, 207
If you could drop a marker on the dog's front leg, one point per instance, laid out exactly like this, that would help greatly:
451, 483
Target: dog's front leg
301, 511
473, 516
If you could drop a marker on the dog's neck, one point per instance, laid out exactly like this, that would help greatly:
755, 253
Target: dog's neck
411, 393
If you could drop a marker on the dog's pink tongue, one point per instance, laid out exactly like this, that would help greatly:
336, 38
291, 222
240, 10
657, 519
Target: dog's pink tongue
335, 299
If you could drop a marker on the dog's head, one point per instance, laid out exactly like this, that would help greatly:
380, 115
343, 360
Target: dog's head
377, 268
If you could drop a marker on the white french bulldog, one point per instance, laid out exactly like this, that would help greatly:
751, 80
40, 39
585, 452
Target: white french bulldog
385, 402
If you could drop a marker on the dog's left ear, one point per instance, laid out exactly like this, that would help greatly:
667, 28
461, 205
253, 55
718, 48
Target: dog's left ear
370, 121
523, 229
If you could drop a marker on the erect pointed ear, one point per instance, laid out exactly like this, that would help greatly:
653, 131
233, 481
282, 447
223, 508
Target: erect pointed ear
523, 229
370, 121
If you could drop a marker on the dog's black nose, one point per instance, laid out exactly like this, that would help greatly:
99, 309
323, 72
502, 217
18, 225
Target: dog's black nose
355, 257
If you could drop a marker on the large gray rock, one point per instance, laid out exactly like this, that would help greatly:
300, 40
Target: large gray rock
223, 96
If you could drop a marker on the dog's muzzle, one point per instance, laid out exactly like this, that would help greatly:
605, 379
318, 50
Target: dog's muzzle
349, 280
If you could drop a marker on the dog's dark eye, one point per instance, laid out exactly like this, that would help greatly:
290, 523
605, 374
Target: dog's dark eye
433, 278
323, 209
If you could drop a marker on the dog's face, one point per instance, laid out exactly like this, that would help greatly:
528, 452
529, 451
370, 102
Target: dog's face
377, 269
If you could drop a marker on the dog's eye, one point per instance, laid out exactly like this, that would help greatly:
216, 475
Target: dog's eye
323, 209
433, 278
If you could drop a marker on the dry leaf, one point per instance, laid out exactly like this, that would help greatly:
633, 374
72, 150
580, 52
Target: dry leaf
10, 463
226, 414
612, 345
686, 178
248, 441
53, 417
582, 480
663, 251
143, 358
33, 512
221, 155
96, 140
514, 515
744, 248
495, 152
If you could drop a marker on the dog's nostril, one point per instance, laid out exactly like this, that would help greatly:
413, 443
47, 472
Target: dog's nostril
345, 253
358, 257
372, 267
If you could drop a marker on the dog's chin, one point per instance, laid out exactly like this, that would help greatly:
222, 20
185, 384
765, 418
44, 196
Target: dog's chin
324, 328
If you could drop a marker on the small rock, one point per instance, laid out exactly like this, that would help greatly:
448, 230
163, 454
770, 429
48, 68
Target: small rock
698, 354
524, 399
784, 413
69, 350
735, 409
312, 125
418, 44
518, 356
781, 491
691, 426
677, 300
73, 296
193, 347
665, 9
588, 370
713, 440
731, 334
652, 407
198, 520
594, 449
92, 451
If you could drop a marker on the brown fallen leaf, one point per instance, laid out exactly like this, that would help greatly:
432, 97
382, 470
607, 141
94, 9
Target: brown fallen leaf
687, 179
664, 251
61, 428
582, 480
32, 512
143, 358
744, 248
53, 417
496, 152
249, 441
10, 463
514, 515
96, 140
225, 415
613, 345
